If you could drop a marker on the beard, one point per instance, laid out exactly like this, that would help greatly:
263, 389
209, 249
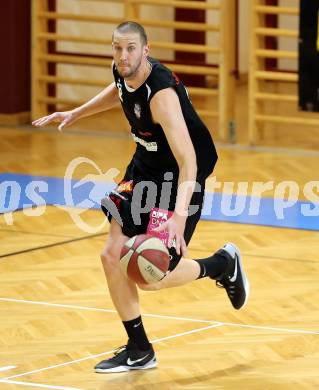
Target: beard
131, 71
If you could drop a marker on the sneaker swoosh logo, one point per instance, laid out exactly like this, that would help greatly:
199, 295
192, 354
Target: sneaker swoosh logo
136, 325
131, 362
234, 277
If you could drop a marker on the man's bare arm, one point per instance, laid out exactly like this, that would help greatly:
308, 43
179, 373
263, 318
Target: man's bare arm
166, 111
103, 101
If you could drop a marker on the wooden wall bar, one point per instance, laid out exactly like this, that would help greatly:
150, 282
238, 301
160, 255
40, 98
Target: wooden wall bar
260, 76
223, 71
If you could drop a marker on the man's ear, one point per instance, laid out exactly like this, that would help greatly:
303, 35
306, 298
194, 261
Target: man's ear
146, 50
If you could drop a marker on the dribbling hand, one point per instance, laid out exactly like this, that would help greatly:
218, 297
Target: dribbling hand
175, 227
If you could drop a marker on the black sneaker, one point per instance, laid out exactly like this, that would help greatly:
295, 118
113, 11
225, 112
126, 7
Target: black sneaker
234, 279
128, 358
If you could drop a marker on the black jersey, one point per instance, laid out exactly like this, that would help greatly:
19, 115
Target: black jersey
153, 154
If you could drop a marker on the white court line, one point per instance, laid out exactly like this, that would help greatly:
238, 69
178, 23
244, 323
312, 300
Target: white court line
102, 310
214, 324
303, 331
188, 332
38, 385
6, 368
108, 352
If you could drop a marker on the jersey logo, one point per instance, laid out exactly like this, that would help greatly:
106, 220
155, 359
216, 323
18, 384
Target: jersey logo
125, 186
145, 133
149, 146
137, 110
176, 78
119, 87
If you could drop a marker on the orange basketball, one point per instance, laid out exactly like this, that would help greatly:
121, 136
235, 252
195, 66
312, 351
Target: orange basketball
144, 259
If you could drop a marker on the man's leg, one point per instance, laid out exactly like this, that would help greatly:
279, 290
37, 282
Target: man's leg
186, 271
138, 353
122, 290
225, 266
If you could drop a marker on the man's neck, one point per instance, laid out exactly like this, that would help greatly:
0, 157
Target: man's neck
142, 74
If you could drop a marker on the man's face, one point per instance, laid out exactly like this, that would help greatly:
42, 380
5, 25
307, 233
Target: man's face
128, 53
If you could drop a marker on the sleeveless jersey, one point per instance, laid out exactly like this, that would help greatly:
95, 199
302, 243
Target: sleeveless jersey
153, 155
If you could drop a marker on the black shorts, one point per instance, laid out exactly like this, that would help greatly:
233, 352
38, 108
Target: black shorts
123, 202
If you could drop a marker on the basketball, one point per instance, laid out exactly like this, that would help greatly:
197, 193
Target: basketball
144, 259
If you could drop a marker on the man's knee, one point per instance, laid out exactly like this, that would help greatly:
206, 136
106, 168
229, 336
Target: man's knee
110, 258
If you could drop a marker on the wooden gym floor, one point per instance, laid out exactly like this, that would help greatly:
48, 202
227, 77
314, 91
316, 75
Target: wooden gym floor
57, 319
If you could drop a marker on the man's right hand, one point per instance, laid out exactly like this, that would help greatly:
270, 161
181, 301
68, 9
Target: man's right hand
65, 118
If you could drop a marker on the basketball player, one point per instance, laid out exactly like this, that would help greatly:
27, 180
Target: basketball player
170, 137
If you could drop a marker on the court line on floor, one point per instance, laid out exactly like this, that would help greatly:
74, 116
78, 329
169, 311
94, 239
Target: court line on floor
32, 384
280, 258
267, 257
97, 235
288, 330
264, 327
53, 244
6, 368
216, 325
67, 306
36, 233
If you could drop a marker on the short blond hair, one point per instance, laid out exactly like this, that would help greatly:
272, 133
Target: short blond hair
132, 27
